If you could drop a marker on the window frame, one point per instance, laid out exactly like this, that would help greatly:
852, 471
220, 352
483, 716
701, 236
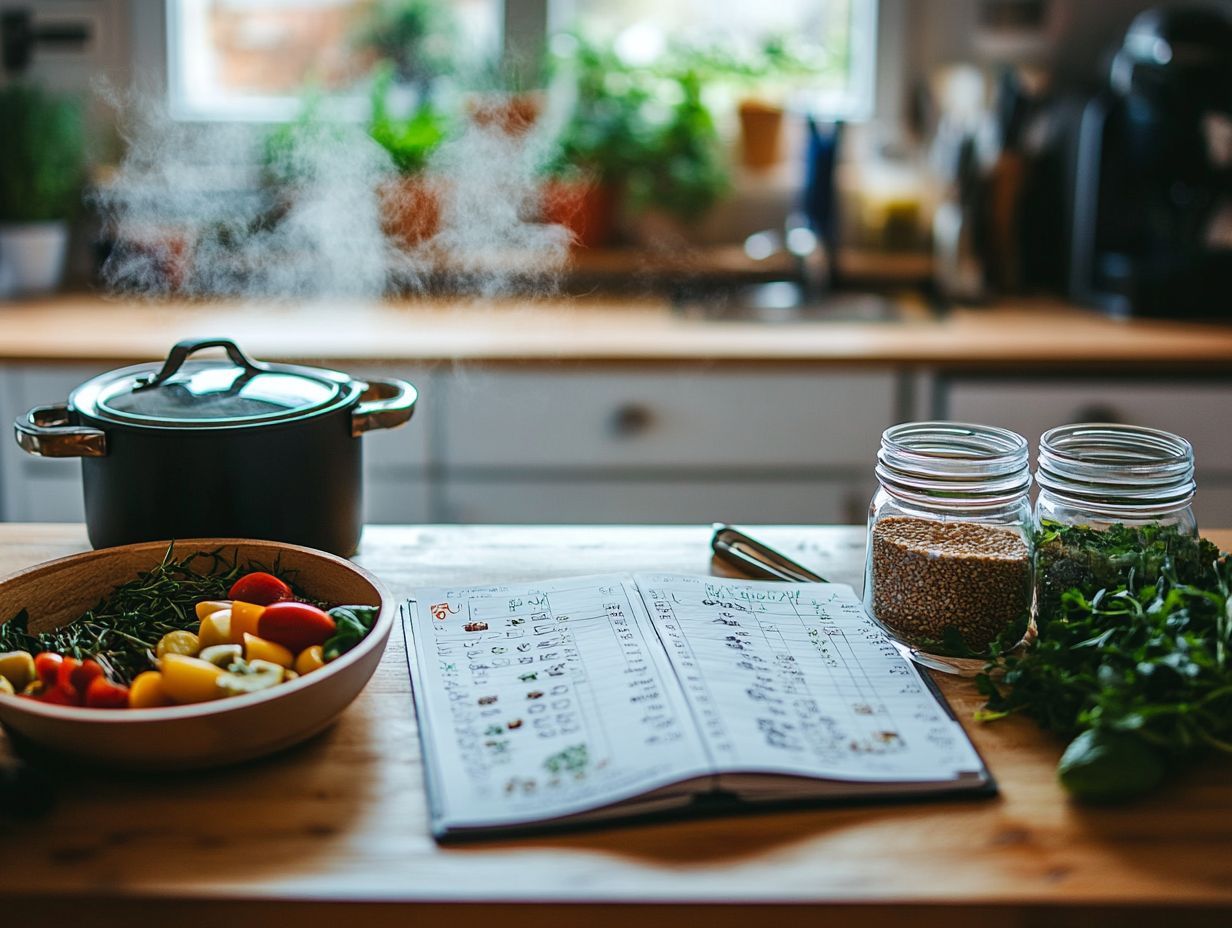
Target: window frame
524, 30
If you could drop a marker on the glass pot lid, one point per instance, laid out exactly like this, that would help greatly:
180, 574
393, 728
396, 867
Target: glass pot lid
234, 391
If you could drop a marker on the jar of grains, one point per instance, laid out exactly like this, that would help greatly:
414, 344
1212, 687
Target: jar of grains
949, 569
1114, 501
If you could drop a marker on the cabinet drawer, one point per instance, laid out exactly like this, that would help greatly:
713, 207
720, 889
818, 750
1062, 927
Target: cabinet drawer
654, 501
397, 500
48, 497
1201, 413
712, 420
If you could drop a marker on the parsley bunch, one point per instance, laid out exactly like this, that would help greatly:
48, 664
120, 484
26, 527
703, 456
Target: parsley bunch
1137, 667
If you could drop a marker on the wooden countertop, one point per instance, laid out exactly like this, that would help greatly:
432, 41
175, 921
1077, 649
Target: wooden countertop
1038, 333
343, 818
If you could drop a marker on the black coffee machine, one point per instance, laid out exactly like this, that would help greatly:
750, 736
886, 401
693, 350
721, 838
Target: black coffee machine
1152, 184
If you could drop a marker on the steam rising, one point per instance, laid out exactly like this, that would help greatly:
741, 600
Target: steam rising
192, 212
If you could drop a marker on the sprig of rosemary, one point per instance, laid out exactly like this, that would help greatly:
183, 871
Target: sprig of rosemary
122, 631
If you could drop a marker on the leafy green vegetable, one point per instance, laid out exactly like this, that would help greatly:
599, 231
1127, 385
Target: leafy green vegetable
1108, 766
352, 624
1136, 646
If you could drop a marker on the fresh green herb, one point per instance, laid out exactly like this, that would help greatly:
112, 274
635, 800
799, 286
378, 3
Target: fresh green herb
122, 631
1077, 557
1139, 667
352, 623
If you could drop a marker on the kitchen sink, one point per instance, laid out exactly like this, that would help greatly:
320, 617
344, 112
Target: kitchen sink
786, 302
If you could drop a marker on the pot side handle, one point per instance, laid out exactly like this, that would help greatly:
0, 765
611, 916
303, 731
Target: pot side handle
47, 431
386, 404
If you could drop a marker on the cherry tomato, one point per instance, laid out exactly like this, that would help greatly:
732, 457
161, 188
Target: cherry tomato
47, 667
103, 694
67, 692
59, 695
260, 589
85, 674
295, 626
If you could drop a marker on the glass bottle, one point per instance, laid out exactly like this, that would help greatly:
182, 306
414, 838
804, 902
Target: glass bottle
948, 572
1133, 486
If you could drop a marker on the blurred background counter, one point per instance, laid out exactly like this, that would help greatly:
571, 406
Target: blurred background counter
671, 416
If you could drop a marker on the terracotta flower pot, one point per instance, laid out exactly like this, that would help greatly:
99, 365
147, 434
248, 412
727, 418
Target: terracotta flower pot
586, 208
761, 132
410, 209
512, 114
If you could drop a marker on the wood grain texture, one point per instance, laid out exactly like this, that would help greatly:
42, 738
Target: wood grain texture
343, 817
629, 331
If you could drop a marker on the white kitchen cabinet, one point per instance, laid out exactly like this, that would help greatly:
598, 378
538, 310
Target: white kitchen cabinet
1201, 411
665, 500
38, 489
709, 420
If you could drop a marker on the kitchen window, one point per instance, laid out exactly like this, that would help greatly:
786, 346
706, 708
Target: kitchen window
254, 59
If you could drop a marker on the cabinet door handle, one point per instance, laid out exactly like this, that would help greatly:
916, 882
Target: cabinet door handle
629, 420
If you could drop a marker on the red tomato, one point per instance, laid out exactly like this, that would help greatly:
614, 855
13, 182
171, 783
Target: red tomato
68, 668
84, 675
47, 666
103, 694
295, 626
60, 696
260, 589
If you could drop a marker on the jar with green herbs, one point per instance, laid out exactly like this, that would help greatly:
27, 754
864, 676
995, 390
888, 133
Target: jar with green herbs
948, 569
1114, 510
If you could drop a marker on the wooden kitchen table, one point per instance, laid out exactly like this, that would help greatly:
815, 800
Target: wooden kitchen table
342, 819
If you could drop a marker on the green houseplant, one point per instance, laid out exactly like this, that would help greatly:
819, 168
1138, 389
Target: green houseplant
597, 147
42, 165
410, 205
623, 143
681, 169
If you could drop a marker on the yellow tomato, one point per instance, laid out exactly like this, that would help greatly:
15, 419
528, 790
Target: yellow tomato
310, 659
147, 691
215, 629
18, 668
210, 606
244, 618
178, 643
190, 679
258, 649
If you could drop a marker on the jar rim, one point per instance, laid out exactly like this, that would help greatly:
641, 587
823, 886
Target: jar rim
953, 465
1117, 467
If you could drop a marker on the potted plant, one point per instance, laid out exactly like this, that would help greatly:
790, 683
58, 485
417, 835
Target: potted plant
597, 147
679, 173
41, 172
411, 204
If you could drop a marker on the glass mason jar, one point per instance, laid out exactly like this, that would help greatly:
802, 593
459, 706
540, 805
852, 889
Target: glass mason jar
1133, 486
948, 569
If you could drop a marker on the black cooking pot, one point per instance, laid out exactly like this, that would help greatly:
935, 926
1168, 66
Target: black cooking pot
219, 448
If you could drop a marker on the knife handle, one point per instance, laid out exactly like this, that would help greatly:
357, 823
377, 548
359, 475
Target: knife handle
751, 556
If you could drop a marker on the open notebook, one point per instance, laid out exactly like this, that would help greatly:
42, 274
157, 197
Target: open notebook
567, 701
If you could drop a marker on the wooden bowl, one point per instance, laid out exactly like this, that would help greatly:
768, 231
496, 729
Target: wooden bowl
209, 734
